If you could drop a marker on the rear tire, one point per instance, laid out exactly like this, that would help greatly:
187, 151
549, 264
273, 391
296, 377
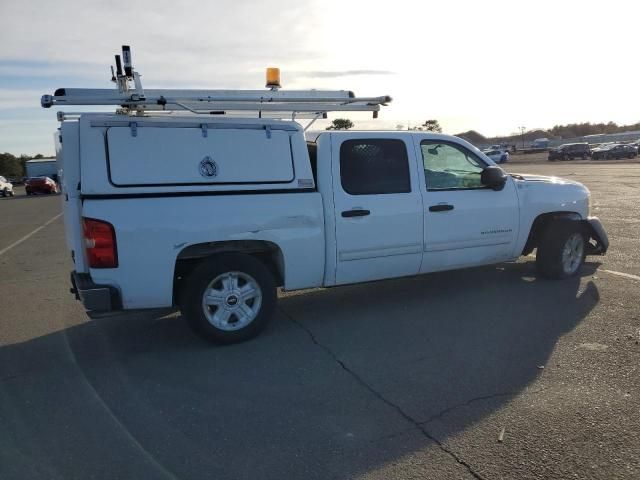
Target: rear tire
229, 298
562, 249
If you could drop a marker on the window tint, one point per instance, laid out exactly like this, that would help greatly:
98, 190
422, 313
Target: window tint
449, 166
374, 166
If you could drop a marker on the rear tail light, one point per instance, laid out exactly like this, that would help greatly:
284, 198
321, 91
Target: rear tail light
100, 243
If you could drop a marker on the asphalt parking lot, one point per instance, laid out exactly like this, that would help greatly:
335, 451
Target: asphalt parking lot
486, 373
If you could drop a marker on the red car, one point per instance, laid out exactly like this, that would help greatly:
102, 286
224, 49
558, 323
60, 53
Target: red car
35, 185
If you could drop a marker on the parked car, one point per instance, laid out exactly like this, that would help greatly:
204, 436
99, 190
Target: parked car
35, 185
499, 146
635, 144
5, 187
498, 156
614, 151
569, 151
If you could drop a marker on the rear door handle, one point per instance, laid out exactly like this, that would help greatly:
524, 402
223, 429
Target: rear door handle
355, 213
442, 207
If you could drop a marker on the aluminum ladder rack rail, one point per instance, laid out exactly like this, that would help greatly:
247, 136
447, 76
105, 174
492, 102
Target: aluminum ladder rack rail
204, 101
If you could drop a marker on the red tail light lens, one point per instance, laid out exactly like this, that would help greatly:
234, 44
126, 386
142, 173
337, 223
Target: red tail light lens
100, 243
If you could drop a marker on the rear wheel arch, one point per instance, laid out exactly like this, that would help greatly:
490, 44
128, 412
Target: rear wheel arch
190, 257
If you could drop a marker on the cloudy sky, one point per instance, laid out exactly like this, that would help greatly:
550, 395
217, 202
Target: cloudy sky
492, 65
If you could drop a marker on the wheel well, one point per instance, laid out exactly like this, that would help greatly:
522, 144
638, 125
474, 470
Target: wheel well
540, 224
267, 252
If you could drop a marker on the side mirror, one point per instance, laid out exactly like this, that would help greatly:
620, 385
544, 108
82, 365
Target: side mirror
493, 177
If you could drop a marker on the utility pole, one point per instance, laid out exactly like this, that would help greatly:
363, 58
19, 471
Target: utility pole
522, 129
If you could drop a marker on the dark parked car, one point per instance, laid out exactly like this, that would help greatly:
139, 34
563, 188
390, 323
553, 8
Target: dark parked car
35, 185
614, 151
569, 151
635, 144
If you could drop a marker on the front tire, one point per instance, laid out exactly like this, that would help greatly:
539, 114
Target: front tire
229, 298
562, 249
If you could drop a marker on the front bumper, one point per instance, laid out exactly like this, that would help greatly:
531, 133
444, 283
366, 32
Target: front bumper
95, 298
599, 241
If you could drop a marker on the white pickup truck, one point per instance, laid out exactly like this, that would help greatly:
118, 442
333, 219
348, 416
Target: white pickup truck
212, 214
212, 217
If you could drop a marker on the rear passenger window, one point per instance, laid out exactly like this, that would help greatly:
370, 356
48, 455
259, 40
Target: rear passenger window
374, 166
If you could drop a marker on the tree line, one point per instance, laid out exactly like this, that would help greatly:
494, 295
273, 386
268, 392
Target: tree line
582, 129
428, 125
12, 166
571, 130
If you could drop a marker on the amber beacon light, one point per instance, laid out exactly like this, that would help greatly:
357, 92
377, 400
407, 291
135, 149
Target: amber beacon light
273, 78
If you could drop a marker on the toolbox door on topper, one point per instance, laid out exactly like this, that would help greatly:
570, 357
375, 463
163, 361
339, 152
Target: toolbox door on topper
156, 156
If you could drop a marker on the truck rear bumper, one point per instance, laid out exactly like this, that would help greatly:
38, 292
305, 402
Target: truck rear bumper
599, 236
95, 298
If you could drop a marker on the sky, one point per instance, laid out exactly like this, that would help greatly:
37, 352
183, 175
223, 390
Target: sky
491, 66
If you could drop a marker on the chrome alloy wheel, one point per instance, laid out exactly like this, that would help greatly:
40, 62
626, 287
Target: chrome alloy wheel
232, 301
572, 253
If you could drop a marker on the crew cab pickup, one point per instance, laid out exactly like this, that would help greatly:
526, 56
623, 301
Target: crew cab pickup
211, 216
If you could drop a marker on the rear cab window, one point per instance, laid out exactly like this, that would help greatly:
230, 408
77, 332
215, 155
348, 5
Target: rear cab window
374, 167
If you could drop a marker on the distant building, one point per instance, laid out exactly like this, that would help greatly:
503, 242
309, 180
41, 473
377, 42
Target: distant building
43, 167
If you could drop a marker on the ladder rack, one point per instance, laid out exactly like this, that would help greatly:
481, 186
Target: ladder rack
131, 98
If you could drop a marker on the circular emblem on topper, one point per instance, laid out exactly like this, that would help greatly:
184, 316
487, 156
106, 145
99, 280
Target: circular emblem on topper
208, 168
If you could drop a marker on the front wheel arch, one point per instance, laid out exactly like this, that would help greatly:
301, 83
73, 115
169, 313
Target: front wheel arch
540, 224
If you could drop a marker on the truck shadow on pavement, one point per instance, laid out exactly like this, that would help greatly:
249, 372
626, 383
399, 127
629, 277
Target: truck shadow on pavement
345, 381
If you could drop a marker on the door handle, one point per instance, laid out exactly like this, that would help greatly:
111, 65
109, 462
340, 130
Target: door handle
355, 213
442, 207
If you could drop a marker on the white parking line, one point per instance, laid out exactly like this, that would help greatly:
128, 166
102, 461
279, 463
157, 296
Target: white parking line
621, 274
26, 237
